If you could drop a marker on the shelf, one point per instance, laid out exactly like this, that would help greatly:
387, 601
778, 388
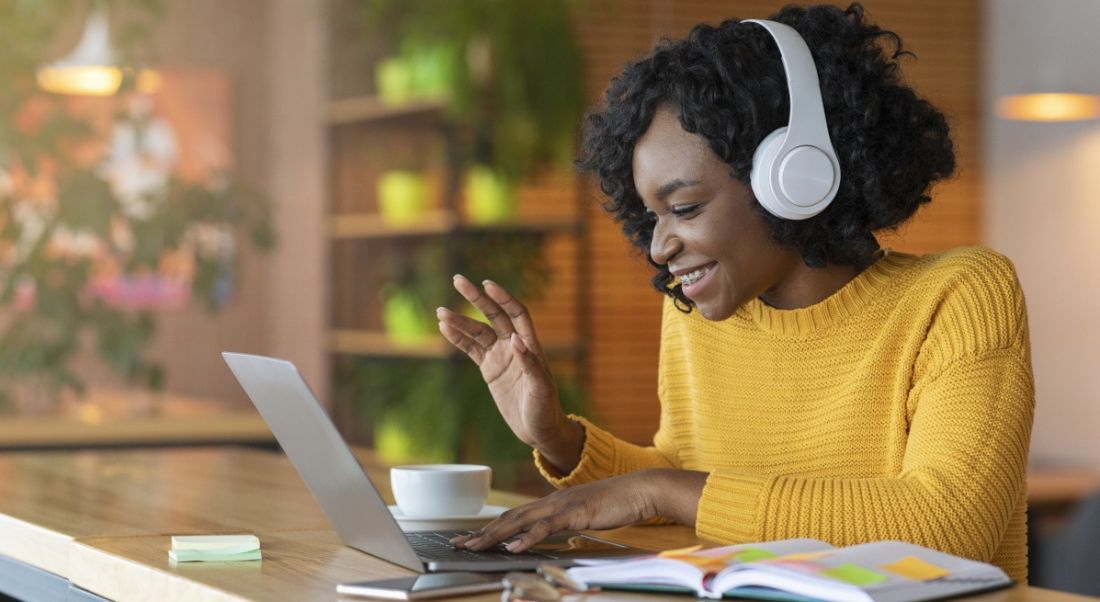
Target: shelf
373, 343
123, 417
362, 109
363, 342
372, 225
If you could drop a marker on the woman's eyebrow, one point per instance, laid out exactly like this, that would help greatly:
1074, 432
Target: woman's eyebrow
672, 186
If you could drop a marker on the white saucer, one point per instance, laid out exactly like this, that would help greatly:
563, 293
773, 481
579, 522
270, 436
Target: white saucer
434, 523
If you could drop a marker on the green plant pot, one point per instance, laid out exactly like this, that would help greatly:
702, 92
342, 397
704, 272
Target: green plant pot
404, 317
431, 71
402, 196
490, 198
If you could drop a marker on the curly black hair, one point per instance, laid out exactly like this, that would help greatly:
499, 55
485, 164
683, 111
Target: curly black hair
728, 85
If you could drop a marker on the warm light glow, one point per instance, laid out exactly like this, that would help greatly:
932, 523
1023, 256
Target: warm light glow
1049, 107
90, 413
148, 81
91, 80
91, 68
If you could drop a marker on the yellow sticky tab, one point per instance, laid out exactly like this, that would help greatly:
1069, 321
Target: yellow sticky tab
709, 561
914, 568
679, 552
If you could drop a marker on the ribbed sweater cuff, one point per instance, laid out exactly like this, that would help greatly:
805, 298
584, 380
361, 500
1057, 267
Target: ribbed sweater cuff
597, 458
730, 507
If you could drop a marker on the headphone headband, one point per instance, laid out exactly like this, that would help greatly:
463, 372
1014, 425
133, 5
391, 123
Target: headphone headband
795, 170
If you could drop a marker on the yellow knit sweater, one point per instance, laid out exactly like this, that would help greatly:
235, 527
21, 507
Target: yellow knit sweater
898, 408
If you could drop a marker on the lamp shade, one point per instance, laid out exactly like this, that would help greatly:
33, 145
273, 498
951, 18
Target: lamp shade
92, 67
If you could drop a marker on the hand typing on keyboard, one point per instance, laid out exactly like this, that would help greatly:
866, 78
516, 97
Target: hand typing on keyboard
605, 504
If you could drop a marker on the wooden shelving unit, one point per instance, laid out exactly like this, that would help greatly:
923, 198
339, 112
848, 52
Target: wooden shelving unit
367, 138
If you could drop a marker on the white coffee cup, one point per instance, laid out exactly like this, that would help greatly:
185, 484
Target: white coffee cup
427, 490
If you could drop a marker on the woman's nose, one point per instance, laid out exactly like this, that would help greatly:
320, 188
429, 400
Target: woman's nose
664, 245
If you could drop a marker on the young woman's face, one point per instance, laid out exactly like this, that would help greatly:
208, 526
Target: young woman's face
708, 232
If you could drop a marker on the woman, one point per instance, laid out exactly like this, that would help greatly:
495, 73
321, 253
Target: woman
811, 384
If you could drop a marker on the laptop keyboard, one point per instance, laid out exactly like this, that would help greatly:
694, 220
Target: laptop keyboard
436, 545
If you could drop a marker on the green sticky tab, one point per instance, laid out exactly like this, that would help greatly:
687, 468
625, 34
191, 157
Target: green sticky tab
753, 554
204, 556
854, 574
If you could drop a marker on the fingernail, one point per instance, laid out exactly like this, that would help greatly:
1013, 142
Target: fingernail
440, 310
512, 546
488, 282
456, 276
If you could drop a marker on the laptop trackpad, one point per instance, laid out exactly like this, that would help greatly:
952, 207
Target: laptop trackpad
572, 543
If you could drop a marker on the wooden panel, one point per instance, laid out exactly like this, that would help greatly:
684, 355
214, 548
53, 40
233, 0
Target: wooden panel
624, 310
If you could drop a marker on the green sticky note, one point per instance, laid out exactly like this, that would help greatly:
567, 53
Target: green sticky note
753, 554
205, 556
854, 574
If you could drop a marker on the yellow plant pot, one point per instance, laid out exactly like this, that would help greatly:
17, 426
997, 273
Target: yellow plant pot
402, 196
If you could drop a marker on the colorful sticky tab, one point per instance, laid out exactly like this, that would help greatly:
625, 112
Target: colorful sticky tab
806, 555
854, 574
679, 552
917, 569
753, 554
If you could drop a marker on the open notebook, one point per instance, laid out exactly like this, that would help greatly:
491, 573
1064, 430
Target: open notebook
796, 570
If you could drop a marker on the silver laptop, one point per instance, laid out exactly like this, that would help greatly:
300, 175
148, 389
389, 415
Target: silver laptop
351, 502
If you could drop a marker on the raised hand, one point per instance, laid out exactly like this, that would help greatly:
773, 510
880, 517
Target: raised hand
515, 368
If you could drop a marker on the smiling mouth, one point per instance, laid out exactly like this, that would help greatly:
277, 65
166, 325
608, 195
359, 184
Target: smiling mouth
694, 276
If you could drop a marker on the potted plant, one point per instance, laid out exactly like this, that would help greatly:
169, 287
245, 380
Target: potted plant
511, 74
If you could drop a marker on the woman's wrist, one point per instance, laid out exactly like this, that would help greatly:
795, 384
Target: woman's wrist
674, 493
564, 452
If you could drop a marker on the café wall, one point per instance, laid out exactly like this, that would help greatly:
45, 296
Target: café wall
272, 50
1042, 209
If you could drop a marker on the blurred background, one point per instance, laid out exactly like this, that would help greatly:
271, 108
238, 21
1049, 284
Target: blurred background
300, 178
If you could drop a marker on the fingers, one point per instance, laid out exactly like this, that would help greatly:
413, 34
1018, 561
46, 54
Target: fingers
524, 526
516, 312
527, 359
499, 320
467, 343
543, 528
482, 334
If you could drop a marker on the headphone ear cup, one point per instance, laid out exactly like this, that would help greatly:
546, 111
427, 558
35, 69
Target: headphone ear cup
763, 165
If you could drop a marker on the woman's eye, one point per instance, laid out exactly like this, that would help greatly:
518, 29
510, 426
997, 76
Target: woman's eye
682, 210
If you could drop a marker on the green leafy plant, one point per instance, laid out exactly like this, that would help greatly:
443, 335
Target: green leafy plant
512, 73
63, 225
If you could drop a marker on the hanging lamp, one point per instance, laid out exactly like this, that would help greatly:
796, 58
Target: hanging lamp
92, 67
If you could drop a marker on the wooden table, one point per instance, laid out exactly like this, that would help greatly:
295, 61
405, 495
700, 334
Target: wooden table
98, 522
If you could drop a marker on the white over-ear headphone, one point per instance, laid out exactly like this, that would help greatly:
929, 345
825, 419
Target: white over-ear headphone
795, 172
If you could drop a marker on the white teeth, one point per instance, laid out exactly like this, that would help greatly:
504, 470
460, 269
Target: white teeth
692, 277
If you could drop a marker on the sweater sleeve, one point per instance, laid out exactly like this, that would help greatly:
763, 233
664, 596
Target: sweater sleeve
605, 455
962, 475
